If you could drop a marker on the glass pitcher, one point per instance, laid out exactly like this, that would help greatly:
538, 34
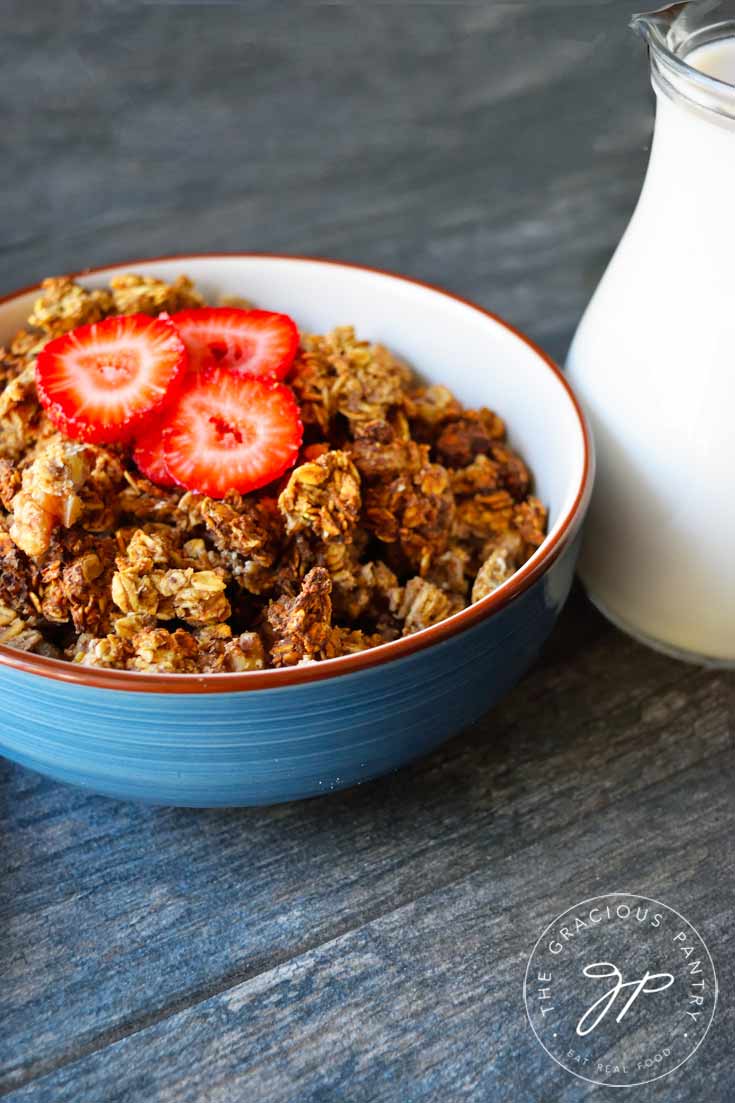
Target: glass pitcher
654, 360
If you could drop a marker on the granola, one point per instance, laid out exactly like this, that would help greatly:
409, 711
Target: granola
400, 510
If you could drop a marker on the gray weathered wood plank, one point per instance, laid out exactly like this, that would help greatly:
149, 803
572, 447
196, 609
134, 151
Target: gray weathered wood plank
429, 995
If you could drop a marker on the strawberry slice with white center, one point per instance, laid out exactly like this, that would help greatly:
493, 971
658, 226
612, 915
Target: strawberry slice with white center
231, 432
100, 382
248, 342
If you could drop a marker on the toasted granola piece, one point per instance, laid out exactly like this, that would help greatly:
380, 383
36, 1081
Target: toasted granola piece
510, 542
20, 414
513, 529
348, 641
133, 294
49, 494
300, 628
145, 502
157, 650
197, 597
19, 578
114, 649
146, 583
337, 373
23, 349
530, 519
149, 547
341, 558
323, 497
500, 469
110, 652
417, 511
451, 571
18, 633
100, 492
143, 647
424, 604
75, 581
481, 476
483, 516
379, 451
10, 480
499, 566
359, 590
428, 408
513, 474
244, 529
244, 536
64, 305
219, 651
470, 435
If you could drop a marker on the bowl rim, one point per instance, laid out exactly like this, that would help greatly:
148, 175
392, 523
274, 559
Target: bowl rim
141, 681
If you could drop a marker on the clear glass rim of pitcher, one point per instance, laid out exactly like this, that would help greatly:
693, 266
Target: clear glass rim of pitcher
673, 33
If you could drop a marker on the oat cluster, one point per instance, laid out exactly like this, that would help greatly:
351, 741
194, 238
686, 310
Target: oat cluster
404, 508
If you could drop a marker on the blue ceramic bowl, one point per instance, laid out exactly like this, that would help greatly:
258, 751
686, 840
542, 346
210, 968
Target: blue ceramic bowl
277, 735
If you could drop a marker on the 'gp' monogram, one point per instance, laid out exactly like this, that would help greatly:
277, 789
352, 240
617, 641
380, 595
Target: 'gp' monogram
607, 999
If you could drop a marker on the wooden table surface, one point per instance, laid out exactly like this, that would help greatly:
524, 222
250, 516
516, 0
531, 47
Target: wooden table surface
369, 945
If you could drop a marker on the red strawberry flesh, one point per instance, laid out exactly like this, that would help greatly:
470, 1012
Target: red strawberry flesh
249, 342
231, 432
150, 458
101, 382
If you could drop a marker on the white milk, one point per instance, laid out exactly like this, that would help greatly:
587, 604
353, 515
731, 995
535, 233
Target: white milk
654, 362
716, 60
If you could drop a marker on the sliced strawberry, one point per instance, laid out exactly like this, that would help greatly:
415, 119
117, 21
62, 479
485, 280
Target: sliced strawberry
150, 458
101, 382
231, 432
249, 342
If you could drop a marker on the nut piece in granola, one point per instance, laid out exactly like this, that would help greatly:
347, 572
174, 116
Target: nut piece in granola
49, 494
322, 496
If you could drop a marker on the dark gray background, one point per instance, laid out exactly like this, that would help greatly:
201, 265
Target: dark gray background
494, 148
370, 945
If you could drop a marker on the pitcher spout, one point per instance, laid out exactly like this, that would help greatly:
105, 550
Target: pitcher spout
656, 26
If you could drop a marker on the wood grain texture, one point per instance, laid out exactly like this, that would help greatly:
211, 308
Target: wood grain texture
371, 944
494, 148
